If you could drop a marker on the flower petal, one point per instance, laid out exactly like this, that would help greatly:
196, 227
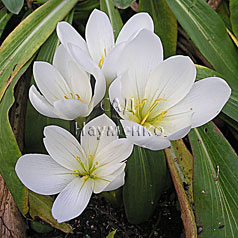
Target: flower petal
116, 151
109, 67
132, 27
97, 134
106, 175
116, 183
50, 82
206, 99
173, 124
71, 108
67, 34
171, 80
140, 136
99, 35
77, 79
40, 103
72, 201
139, 57
41, 174
63, 147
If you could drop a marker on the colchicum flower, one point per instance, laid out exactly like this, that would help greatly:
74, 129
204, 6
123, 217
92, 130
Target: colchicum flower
66, 88
76, 170
99, 52
159, 100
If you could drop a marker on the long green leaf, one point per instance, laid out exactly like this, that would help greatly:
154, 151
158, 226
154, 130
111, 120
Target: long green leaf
28, 36
215, 183
234, 16
165, 23
9, 150
208, 33
145, 180
108, 7
13, 6
4, 18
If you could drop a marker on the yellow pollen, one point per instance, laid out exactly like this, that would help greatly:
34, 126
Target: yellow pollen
66, 97
96, 163
138, 105
160, 99
78, 158
90, 156
76, 171
145, 99
72, 95
101, 62
105, 52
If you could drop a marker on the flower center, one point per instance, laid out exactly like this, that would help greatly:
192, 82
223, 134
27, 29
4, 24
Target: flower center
101, 61
88, 167
146, 114
73, 96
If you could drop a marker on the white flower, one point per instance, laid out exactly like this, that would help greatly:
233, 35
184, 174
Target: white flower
73, 170
163, 102
99, 51
66, 88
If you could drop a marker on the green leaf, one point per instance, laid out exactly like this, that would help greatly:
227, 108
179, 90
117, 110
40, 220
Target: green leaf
165, 23
108, 7
13, 6
215, 198
176, 172
145, 180
231, 107
4, 18
111, 234
41, 207
28, 36
208, 32
123, 4
234, 16
9, 150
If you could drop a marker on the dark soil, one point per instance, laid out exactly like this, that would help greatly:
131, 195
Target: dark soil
100, 218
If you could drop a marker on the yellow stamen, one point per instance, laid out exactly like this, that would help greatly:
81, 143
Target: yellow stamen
105, 52
138, 105
78, 158
79, 98
96, 163
101, 62
144, 119
145, 99
90, 156
76, 171
66, 97
161, 116
85, 178
72, 95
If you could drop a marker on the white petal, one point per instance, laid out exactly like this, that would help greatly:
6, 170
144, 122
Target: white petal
173, 125
116, 183
140, 136
87, 64
77, 79
50, 82
115, 93
116, 151
139, 57
72, 201
67, 34
109, 67
71, 108
97, 134
132, 27
40, 103
63, 147
171, 80
206, 99
106, 175
99, 35
41, 174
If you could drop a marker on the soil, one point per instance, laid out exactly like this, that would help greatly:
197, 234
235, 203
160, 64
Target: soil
100, 218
